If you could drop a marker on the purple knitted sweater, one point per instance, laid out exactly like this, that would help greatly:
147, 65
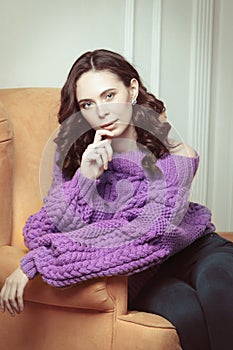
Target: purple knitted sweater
120, 224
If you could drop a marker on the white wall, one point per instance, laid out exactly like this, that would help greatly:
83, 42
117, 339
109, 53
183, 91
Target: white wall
40, 39
182, 48
220, 190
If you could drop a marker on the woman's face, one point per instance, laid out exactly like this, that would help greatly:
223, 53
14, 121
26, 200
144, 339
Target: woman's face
106, 103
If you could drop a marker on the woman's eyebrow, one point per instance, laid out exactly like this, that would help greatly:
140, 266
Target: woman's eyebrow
101, 95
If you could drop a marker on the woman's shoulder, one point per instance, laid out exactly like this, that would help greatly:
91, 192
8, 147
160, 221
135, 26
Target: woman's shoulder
181, 163
182, 149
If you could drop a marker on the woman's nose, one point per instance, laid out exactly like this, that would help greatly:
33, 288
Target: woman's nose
102, 110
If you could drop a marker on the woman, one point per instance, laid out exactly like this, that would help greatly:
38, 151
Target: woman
119, 204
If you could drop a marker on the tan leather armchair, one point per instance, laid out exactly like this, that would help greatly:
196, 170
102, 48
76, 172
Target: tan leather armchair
89, 316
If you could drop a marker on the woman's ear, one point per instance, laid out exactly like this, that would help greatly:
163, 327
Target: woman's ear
134, 89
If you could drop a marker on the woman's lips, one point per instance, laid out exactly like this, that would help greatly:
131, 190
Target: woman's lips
109, 126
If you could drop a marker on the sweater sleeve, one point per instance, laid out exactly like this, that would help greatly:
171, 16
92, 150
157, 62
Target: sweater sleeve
39, 223
114, 246
49, 220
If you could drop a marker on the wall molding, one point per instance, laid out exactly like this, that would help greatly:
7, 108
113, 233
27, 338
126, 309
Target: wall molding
230, 206
200, 90
156, 47
129, 30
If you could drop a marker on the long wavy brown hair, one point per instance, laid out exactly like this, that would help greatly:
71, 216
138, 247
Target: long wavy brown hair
75, 133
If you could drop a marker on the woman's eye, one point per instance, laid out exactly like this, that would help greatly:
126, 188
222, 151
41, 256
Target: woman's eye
86, 105
109, 96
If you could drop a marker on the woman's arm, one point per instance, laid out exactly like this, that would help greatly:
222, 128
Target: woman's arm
75, 198
62, 261
167, 223
78, 198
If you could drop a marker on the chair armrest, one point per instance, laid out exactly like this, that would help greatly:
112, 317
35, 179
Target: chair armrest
227, 235
100, 294
88, 295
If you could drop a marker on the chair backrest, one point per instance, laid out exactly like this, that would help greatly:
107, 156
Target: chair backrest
6, 173
29, 120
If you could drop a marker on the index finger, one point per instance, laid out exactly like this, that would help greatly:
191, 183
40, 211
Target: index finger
20, 297
100, 133
1, 299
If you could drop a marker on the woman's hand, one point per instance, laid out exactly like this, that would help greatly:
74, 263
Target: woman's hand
97, 155
11, 296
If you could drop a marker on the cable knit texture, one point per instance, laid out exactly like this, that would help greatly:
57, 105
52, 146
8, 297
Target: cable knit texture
120, 224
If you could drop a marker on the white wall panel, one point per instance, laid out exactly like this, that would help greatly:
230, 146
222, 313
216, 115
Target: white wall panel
175, 62
129, 30
200, 90
143, 39
156, 47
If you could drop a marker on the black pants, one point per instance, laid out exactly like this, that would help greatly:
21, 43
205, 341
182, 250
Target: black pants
194, 291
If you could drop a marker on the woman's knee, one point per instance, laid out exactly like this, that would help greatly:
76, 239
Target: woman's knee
170, 298
214, 275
